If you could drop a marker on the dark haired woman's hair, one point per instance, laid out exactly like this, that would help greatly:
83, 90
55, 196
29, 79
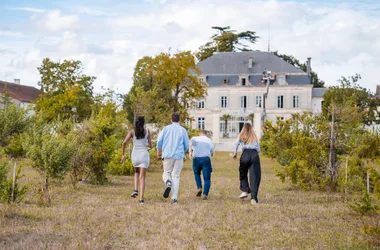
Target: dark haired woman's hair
139, 127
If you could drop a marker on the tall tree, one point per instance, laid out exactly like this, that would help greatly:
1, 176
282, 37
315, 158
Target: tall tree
226, 40
163, 84
315, 80
67, 90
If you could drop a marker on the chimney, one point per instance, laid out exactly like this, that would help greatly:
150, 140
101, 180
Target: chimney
308, 66
250, 61
17, 81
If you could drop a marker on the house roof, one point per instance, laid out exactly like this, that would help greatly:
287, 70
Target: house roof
237, 63
318, 92
20, 92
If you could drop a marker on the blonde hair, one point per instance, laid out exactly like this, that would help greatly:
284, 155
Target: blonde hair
247, 135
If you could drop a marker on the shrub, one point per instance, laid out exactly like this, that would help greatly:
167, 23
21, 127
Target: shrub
117, 168
14, 148
6, 188
364, 205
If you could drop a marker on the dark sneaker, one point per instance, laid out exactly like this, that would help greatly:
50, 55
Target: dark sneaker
199, 192
134, 194
167, 192
174, 201
141, 202
205, 198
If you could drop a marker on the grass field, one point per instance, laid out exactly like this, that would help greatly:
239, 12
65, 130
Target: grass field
105, 217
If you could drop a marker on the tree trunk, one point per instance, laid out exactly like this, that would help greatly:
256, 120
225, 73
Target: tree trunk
332, 147
46, 189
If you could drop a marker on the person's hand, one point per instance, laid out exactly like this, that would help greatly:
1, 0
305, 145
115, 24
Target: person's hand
190, 156
159, 154
122, 159
234, 156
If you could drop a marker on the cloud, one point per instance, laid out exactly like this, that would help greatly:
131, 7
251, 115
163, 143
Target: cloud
92, 12
11, 33
28, 9
55, 21
342, 39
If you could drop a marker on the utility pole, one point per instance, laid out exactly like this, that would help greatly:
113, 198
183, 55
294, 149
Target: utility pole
332, 145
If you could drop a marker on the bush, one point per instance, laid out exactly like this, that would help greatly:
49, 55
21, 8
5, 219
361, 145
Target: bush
364, 205
6, 188
117, 168
15, 148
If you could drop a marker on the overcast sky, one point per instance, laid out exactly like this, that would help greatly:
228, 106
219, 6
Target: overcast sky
109, 36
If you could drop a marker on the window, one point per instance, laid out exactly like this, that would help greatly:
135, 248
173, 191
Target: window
281, 118
201, 123
223, 101
296, 101
243, 102
201, 80
201, 104
225, 81
243, 81
258, 101
280, 101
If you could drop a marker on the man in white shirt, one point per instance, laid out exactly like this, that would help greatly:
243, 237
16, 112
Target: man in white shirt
200, 150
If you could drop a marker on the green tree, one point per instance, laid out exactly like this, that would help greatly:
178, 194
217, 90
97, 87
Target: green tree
251, 117
66, 89
226, 40
13, 121
49, 152
225, 118
163, 84
314, 79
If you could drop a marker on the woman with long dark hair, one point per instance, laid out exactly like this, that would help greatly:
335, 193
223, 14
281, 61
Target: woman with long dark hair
249, 160
140, 156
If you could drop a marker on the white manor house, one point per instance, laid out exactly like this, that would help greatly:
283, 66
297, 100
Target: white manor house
254, 82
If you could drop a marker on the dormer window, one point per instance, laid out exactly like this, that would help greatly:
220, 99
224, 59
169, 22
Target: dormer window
243, 81
281, 79
225, 81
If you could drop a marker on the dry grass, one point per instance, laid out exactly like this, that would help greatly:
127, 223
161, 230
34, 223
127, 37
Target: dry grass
105, 217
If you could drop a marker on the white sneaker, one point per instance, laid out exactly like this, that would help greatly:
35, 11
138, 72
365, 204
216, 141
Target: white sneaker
243, 195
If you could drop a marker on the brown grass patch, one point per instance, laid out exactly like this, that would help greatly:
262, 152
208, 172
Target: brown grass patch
105, 217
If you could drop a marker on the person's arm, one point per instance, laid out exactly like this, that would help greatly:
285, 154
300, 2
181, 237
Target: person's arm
149, 140
185, 140
212, 151
236, 148
191, 149
129, 136
159, 143
258, 147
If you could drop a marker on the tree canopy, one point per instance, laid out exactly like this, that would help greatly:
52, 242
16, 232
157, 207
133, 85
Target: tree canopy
226, 40
163, 84
66, 89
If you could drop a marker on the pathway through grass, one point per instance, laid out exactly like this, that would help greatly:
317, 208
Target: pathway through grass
105, 217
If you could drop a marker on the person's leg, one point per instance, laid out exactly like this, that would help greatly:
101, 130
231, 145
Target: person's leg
255, 175
167, 175
176, 174
197, 172
243, 171
142, 183
136, 179
206, 171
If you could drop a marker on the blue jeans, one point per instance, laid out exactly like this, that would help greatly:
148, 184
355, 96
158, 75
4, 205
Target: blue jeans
202, 164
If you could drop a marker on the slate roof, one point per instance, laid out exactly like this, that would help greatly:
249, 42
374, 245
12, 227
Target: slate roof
20, 92
237, 63
318, 92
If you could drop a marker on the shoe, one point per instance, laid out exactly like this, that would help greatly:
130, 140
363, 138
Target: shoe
167, 191
199, 192
141, 202
253, 202
205, 198
174, 201
134, 194
243, 195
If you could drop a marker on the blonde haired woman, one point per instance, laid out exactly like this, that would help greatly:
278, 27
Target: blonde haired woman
249, 160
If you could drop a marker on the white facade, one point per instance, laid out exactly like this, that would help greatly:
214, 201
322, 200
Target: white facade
237, 85
241, 101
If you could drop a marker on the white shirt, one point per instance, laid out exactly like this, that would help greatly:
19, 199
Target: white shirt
202, 146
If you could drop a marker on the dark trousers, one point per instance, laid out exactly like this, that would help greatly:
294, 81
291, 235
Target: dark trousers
250, 160
202, 164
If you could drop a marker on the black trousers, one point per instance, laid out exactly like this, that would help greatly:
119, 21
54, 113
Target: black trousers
250, 160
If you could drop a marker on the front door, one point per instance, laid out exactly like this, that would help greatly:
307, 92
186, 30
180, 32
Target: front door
241, 125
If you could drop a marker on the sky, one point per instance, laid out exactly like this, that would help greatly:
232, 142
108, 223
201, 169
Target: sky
109, 36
